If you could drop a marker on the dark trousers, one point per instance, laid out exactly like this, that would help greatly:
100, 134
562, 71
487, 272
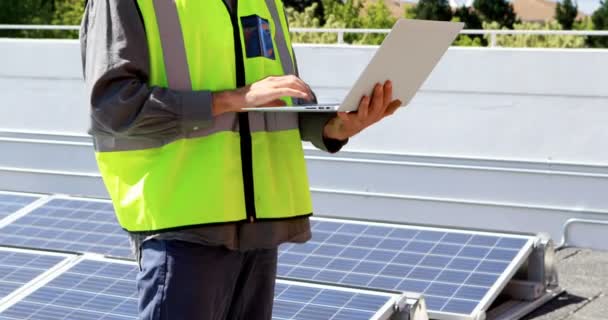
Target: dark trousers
182, 280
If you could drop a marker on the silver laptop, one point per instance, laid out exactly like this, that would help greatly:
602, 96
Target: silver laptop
406, 57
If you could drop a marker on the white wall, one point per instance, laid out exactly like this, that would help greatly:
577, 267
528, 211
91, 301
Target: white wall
524, 104
504, 139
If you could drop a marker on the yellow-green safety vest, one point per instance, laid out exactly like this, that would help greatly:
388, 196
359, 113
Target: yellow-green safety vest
244, 166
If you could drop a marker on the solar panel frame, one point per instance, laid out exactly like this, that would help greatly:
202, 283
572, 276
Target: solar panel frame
26, 287
119, 246
494, 289
383, 313
24, 206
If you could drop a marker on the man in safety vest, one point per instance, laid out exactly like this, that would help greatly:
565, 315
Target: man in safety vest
207, 193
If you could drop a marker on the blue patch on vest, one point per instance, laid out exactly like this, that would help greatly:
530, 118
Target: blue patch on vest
258, 39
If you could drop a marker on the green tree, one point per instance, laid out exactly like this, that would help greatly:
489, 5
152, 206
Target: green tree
464, 40
600, 22
301, 5
433, 10
24, 12
57, 12
307, 19
536, 41
565, 13
500, 11
471, 21
378, 16
347, 13
469, 16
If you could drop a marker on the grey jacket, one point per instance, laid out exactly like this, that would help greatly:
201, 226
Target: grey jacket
116, 69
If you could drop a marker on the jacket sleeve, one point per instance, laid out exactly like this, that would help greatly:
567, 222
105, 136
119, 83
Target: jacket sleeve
116, 68
311, 130
311, 126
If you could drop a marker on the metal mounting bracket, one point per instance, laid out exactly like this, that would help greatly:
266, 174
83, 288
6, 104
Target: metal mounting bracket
410, 306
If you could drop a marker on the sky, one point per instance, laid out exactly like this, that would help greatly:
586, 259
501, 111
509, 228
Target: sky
588, 6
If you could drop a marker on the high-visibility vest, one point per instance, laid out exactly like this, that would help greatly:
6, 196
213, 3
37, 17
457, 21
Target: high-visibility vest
245, 166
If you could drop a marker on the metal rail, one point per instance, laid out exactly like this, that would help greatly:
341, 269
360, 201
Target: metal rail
340, 32
492, 33
565, 238
36, 27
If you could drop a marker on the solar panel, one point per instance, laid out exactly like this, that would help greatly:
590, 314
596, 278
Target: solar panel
104, 290
11, 203
458, 272
69, 225
18, 268
312, 302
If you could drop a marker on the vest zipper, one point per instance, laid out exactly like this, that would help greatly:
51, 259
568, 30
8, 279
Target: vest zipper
244, 130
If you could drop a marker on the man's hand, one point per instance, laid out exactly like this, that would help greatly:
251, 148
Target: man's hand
266, 92
370, 111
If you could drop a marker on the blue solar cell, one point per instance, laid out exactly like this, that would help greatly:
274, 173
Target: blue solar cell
341, 239
329, 276
303, 273
452, 276
403, 234
482, 279
446, 249
320, 237
430, 235
419, 247
444, 265
457, 238
327, 250
316, 261
493, 267
441, 289
384, 282
342, 264
70, 225
464, 264
19, 268
357, 279
502, 254
421, 273
511, 243
381, 255
435, 261
471, 293
105, 290
367, 242
459, 306
328, 226
10, 203
369, 267
486, 241
378, 231
395, 270
306, 248
303, 302
435, 303
299, 294
352, 228
354, 253
392, 244
283, 270
474, 252
413, 285
411, 259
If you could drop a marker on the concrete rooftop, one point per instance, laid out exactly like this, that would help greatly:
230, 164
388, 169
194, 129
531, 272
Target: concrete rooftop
583, 274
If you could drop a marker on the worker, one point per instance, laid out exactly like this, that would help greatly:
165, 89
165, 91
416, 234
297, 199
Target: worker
206, 193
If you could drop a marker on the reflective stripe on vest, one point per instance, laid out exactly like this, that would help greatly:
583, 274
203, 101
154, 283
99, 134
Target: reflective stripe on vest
196, 179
